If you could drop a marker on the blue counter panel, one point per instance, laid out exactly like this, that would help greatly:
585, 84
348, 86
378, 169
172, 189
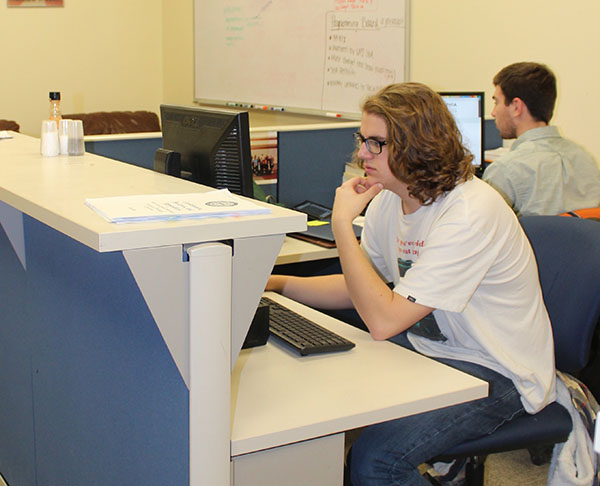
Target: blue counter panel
138, 152
17, 452
94, 397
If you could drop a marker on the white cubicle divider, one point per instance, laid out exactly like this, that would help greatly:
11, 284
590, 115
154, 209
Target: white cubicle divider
169, 302
12, 222
115, 398
250, 276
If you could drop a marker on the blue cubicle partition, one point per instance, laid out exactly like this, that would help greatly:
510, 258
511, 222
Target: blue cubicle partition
136, 151
492, 135
311, 164
89, 393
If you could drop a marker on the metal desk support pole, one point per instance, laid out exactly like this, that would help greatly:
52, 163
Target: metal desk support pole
210, 363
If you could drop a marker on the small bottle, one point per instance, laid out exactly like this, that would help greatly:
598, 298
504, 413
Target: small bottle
55, 106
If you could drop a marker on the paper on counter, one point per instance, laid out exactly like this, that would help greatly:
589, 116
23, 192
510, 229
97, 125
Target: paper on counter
172, 207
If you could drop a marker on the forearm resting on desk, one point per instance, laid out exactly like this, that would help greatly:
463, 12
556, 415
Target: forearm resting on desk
322, 292
384, 312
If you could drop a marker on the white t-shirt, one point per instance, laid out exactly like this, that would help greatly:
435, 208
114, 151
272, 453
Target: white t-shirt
466, 256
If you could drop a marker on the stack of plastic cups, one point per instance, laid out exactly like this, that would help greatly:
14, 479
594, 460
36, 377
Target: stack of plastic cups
76, 144
70, 136
49, 145
63, 136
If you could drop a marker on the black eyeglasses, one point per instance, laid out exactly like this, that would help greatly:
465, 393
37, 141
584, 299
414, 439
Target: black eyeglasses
374, 146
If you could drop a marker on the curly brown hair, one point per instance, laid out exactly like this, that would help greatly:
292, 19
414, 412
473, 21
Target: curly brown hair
425, 146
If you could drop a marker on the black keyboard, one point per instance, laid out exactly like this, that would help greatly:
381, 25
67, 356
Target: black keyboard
302, 334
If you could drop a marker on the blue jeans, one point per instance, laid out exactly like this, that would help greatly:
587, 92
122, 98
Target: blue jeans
389, 453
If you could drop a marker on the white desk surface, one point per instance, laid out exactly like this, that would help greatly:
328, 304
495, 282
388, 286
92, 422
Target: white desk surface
279, 398
115, 137
294, 250
280, 128
53, 190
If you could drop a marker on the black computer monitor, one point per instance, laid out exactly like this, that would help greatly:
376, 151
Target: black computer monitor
467, 109
213, 146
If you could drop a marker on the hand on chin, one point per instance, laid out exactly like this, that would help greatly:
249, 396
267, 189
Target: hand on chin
367, 182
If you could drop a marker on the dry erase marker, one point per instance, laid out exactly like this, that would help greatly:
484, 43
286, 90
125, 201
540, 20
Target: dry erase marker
335, 115
276, 108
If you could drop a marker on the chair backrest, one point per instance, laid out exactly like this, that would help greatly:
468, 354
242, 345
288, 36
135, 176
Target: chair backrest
9, 125
107, 122
587, 213
567, 251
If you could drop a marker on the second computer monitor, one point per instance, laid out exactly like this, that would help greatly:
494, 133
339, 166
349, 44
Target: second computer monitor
468, 112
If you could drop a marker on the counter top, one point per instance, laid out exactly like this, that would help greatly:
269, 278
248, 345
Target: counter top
54, 189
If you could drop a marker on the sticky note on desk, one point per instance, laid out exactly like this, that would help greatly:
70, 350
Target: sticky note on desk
316, 222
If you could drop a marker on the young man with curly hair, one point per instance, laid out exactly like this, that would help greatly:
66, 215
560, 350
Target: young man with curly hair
464, 284
544, 173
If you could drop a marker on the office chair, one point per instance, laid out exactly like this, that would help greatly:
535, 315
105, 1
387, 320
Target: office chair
105, 122
587, 213
9, 125
567, 251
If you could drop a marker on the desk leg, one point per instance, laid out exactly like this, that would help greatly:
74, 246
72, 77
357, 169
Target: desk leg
210, 368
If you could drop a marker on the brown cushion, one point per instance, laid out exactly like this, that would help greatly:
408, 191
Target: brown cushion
9, 125
103, 122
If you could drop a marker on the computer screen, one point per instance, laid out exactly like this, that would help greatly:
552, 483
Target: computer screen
214, 146
467, 109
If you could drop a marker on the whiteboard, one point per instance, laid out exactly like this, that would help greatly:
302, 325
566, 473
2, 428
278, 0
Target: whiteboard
320, 56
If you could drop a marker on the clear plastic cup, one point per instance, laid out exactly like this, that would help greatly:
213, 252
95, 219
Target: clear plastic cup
63, 136
76, 142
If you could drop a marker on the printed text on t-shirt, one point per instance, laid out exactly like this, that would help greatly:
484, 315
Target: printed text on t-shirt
409, 247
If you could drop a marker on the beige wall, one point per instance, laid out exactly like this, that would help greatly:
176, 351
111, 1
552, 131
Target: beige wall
101, 55
462, 44
136, 54
178, 51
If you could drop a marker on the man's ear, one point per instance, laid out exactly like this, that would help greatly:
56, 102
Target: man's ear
518, 107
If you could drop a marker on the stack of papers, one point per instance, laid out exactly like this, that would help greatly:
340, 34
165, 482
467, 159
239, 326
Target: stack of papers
173, 207
351, 170
494, 154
